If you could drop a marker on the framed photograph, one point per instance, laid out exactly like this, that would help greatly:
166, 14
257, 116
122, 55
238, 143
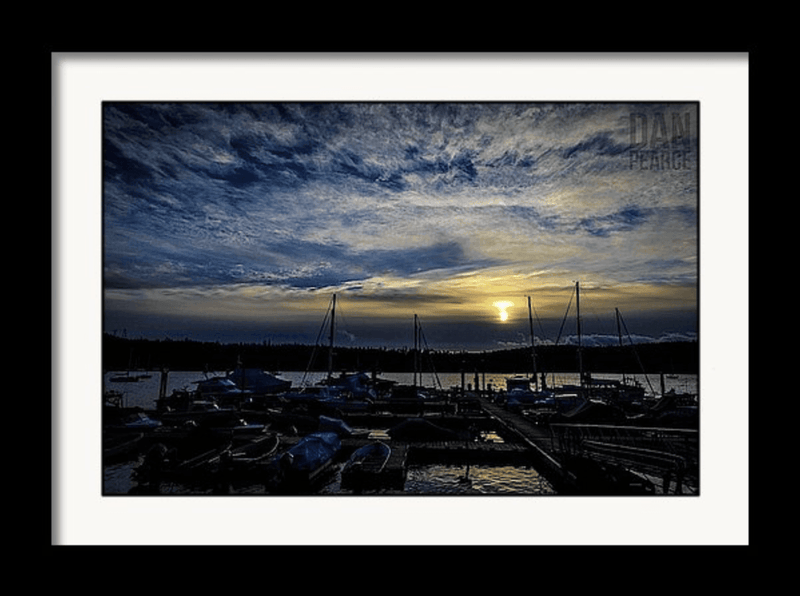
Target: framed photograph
320, 295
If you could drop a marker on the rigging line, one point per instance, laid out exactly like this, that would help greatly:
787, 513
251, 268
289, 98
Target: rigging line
564, 320
539, 322
635, 351
342, 321
544, 338
316, 344
430, 359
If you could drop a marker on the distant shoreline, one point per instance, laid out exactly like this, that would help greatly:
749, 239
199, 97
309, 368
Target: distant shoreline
145, 354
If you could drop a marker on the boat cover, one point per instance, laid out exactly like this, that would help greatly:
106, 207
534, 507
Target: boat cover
335, 425
258, 381
312, 451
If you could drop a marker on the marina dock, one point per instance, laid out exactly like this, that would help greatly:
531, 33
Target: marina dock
576, 459
456, 428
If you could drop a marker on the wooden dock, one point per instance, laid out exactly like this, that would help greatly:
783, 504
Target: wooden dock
572, 458
635, 460
538, 441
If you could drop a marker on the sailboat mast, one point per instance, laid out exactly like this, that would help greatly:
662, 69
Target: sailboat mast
619, 335
580, 344
330, 347
533, 346
416, 350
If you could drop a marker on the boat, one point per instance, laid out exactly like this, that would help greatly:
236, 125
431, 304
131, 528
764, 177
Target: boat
200, 411
625, 392
591, 411
335, 425
349, 392
674, 409
357, 385
162, 463
365, 465
125, 378
256, 381
302, 464
628, 392
246, 458
135, 421
415, 394
219, 386
140, 421
118, 447
519, 394
255, 452
238, 429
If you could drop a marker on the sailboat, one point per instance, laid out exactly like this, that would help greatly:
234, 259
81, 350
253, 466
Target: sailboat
348, 391
518, 388
618, 392
127, 377
613, 395
417, 391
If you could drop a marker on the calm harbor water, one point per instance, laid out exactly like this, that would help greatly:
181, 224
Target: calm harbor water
118, 478
144, 393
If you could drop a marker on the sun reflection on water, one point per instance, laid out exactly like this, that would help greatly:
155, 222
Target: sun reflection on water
476, 480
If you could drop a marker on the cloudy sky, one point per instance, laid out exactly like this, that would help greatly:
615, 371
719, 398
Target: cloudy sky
240, 221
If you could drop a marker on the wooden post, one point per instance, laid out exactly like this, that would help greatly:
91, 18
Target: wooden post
162, 389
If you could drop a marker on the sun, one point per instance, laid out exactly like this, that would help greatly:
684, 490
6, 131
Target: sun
503, 306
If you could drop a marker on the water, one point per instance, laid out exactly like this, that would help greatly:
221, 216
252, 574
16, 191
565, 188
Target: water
144, 393
476, 480
421, 480
445, 480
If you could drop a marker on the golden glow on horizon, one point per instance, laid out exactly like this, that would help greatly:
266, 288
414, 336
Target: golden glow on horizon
463, 299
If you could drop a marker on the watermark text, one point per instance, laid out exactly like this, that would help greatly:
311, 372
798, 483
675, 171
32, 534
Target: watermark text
660, 141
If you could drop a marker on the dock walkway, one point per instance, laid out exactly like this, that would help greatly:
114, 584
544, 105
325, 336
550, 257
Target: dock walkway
537, 439
665, 456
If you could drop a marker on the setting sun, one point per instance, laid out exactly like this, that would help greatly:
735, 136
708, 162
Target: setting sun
502, 306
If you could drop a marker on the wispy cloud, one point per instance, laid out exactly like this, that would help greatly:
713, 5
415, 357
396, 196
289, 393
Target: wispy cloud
398, 198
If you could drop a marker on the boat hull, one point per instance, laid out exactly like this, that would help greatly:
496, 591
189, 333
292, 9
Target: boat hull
365, 466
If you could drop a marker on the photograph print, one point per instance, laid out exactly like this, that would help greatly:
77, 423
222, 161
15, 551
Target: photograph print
400, 298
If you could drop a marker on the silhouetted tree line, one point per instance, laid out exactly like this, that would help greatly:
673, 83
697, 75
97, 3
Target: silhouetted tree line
122, 353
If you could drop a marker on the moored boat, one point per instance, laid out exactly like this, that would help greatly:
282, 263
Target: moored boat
162, 463
363, 468
244, 460
135, 421
347, 392
125, 378
200, 411
257, 381
119, 446
255, 452
519, 394
238, 429
303, 463
335, 425
219, 386
140, 421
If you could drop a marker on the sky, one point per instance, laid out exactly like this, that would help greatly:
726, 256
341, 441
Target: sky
240, 221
